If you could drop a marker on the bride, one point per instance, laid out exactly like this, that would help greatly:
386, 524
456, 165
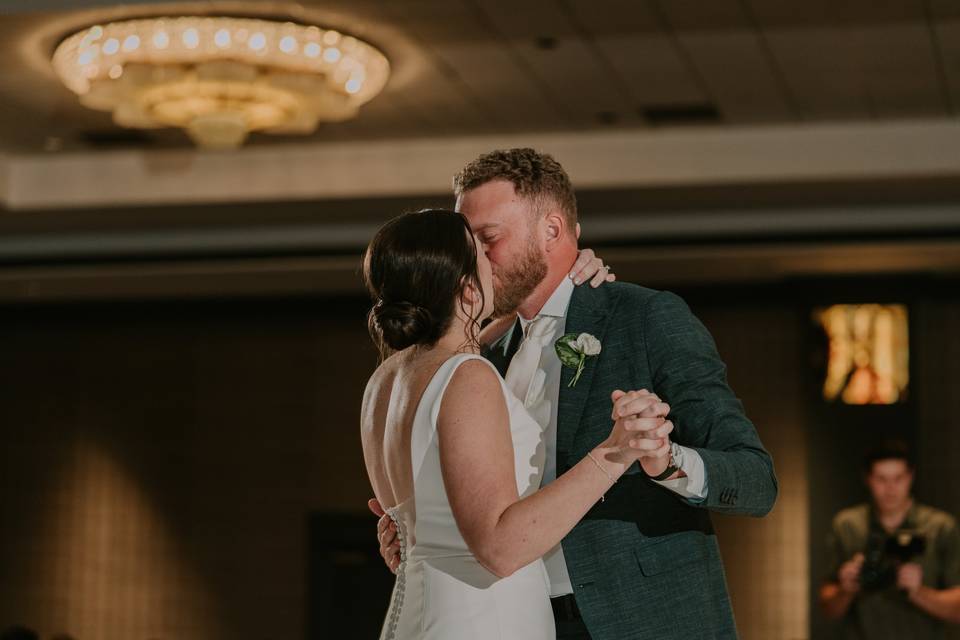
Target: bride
453, 451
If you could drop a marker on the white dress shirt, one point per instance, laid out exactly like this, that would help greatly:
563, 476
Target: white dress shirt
692, 487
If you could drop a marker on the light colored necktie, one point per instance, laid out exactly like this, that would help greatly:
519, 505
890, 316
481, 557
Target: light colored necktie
526, 362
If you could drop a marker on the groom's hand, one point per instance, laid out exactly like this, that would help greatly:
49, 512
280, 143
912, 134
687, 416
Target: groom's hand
386, 536
644, 415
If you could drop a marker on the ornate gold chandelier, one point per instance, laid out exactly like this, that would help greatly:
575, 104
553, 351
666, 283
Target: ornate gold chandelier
219, 77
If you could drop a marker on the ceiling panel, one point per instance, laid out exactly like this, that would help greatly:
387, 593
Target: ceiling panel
515, 19
466, 49
697, 15
436, 21
447, 104
631, 37
867, 72
652, 69
833, 14
739, 76
615, 17
900, 70
570, 70
501, 84
583, 85
432, 92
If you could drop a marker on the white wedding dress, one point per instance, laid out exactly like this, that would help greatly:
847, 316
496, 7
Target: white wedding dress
441, 590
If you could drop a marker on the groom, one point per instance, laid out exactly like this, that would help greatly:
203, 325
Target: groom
644, 562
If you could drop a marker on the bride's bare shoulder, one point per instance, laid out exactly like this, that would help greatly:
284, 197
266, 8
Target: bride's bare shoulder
474, 385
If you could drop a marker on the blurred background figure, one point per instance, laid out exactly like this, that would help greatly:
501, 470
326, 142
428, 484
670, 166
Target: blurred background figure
894, 563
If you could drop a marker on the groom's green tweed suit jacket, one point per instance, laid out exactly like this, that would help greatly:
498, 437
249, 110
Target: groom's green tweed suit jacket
645, 563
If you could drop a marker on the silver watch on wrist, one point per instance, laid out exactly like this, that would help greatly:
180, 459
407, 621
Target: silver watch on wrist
674, 464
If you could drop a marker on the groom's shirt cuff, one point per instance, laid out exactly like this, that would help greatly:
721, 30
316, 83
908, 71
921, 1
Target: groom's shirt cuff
694, 486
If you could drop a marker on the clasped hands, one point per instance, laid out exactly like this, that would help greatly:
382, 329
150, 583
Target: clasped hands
641, 429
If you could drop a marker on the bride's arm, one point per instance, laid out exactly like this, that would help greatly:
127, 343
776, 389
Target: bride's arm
504, 532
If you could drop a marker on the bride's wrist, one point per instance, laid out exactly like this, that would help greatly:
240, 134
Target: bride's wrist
607, 456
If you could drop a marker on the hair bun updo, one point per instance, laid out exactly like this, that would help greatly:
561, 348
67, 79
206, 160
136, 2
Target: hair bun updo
403, 324
416, 268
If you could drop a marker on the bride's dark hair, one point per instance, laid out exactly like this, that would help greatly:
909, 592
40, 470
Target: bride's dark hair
415, 269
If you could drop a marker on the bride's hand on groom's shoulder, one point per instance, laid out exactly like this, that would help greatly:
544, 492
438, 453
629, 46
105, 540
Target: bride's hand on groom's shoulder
590, 267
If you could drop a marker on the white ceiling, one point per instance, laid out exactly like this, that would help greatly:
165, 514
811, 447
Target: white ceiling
482, 67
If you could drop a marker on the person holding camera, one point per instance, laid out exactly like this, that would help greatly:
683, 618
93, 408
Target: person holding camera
894, 564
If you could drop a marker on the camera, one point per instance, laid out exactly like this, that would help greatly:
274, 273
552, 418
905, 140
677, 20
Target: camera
885, 553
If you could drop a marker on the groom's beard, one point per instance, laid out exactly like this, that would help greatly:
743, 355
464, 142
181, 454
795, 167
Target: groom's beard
518, 281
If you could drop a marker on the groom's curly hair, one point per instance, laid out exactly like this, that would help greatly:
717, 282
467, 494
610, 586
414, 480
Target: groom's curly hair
535, 176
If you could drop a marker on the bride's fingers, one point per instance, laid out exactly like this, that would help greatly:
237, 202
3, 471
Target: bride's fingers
654, 410
393, 557
629, 405
374, 505
383, 524
388, 536
660, 431
600, 276
584, 266
642, 427
390, 554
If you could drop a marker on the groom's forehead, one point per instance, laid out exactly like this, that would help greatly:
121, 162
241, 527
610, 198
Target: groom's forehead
480, 218
485, 226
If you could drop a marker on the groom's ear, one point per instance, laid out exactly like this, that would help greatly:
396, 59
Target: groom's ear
556, 228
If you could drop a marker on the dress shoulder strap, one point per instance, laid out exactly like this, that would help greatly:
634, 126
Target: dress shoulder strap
425, 420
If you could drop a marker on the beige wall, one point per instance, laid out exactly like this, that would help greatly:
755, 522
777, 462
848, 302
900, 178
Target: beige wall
766, 560
160, 462
938, 425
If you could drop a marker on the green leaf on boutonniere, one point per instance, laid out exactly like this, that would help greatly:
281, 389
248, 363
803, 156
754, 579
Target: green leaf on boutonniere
573, 350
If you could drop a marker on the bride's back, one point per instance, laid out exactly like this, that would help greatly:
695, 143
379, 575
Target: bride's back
390, 404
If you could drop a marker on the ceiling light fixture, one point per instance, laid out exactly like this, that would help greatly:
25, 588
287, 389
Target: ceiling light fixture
218, 77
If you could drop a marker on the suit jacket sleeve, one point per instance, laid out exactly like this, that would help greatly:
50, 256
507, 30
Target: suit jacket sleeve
688, 375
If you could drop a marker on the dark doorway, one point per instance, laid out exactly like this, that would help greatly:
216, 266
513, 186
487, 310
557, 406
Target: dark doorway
348, 585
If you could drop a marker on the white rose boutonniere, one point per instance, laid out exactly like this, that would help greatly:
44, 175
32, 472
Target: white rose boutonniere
573, 351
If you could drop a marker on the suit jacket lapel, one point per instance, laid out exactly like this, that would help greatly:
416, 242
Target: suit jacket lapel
588, 313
